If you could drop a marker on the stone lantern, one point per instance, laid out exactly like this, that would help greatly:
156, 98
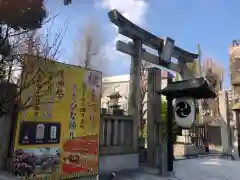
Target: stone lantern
113, 106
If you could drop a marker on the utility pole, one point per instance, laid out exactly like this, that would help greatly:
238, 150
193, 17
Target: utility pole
199, 74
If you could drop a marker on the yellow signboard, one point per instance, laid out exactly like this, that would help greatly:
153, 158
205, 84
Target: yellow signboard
57, 135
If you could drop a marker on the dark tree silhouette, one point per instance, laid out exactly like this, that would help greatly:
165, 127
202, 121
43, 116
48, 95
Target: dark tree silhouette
67, 2
22, 14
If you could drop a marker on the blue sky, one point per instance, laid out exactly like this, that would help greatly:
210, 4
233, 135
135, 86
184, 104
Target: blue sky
214, 24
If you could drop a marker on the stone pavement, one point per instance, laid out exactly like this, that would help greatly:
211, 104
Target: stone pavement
204, 168
125, 176
207, 168
6, 176
136, 175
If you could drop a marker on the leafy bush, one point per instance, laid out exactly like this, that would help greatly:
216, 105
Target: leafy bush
176, 129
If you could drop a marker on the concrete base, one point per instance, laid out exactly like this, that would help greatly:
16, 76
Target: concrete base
184, 150
192, 150
115, 163
8, 176
108, 164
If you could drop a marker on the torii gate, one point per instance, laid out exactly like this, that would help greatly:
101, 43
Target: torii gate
166, 50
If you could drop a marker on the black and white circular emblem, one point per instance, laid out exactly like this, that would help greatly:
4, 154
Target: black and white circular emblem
183, 109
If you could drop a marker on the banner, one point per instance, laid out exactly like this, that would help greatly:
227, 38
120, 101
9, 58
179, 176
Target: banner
57, 133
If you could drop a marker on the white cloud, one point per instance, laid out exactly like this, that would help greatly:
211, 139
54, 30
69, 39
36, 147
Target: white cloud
135, 11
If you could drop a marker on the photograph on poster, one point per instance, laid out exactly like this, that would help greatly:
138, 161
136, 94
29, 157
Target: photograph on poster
36, 161
33, 132
60, 139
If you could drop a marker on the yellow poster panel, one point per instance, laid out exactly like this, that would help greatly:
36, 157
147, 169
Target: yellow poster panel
57, 135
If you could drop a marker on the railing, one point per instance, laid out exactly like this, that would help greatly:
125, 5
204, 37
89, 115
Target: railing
214, 136
194, 136
198, 135
116, 135
207, 135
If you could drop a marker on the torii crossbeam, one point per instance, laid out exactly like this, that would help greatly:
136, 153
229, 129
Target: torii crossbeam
166, 50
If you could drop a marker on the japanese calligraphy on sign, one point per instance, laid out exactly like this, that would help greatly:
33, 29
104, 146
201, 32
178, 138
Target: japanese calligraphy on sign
64, 119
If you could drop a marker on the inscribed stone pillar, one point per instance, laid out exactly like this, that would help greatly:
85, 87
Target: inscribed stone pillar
134, 90
224, 121
154, 129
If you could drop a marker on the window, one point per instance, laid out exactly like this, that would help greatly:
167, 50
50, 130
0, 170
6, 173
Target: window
127, 88
117, 88
124, 105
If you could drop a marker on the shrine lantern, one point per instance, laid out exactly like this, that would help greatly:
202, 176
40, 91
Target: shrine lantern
113, 105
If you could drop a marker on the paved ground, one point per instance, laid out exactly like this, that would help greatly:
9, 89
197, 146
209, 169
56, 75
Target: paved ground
207, 169
137, 176
195, 169
190, 169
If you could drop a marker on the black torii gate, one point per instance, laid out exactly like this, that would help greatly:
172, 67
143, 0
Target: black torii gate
190, 86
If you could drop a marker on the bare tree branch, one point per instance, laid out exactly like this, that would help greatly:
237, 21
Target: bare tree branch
39, 49
214, 73
89, 48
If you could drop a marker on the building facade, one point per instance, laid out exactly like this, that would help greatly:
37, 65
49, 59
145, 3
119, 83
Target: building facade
234, 58
121, 84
